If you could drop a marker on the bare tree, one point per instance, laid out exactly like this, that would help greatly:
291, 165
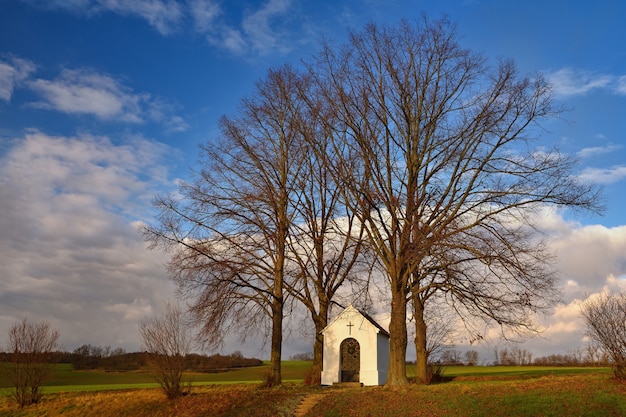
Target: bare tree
228, 232
471, 357
593, 353
450, 356
441, 329
447, 180
31, 347
326, 242
604, 316
167, 340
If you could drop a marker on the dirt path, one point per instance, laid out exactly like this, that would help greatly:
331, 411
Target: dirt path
307, 404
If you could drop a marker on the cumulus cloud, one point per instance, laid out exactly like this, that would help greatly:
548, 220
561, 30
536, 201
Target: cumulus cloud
571, 82
88, 92
588, 257
13, 72
72, 255
69, 244
85, 91
603, 175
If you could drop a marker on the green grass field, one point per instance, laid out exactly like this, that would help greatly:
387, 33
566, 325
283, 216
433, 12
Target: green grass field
513, 371
65, 379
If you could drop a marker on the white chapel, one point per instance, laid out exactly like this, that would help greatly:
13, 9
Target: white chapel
356, 349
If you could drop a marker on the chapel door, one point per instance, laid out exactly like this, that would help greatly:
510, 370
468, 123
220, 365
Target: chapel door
350, 360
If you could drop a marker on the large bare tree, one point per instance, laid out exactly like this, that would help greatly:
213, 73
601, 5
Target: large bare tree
228, 229
449, 177
326, 244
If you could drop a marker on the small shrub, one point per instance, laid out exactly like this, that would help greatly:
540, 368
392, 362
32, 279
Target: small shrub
268, 379
435, 372
313, 376
31, 349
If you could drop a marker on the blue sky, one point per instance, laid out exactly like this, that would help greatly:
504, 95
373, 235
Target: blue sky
103, 104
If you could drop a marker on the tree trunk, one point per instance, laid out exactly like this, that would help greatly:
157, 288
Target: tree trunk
275, 377
421, 360
318, 352
321, 321
396, 374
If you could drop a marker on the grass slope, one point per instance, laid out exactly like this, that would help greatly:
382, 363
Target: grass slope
550, 395
472, 392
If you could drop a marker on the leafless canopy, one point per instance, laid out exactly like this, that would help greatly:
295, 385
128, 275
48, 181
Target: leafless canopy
31, 347
447, 178
605, 317
167, 340
228, 233
421, 149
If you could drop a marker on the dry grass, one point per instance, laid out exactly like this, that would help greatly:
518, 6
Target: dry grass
553, 395
212, 400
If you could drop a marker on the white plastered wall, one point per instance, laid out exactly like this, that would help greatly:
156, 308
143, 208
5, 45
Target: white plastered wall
374, 348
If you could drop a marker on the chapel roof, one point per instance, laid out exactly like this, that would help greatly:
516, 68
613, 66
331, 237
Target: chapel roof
380, 328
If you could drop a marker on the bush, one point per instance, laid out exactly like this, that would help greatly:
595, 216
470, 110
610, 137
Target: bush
31, 348
604, 316
435, 372
313, 376
168, 341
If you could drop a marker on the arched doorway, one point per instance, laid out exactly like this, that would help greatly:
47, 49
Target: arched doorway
350, 360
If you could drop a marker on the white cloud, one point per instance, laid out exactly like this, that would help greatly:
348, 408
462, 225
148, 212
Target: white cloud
137, 310
230, 39
69, 245
591, 260
13, 72
571, 82
176, 124
204, 14
589, 257
71, 253
598, 150
164, 15
83, 91
257, 26
88, 92
568, 82
603, 175
258, 31
621, 85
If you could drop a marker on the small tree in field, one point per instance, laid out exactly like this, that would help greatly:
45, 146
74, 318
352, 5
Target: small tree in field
605, 317
30, 349
168, 341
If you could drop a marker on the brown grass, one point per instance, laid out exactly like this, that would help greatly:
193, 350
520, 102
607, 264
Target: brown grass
570, 395
214, 401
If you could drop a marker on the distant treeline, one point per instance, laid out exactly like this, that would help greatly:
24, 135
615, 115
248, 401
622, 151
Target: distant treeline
89, 357
590, 355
